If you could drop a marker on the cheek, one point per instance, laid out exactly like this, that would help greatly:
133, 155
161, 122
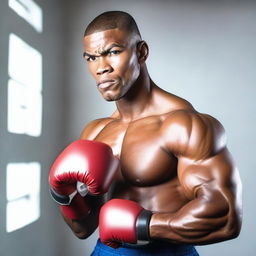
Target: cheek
91, 67
128, 67
134, 69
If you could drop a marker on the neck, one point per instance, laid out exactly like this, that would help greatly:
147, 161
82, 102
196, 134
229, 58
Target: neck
137, 100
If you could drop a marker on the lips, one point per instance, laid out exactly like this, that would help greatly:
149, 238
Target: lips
105, 83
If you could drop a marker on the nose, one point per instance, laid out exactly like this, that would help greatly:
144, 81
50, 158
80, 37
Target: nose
103, 66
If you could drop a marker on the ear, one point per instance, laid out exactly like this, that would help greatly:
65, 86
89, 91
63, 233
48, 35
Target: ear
142, 50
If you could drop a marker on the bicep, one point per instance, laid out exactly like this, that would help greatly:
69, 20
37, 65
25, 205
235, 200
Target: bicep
215, 180
212, 212
206, 170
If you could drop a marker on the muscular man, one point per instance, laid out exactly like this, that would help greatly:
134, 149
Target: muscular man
176, 185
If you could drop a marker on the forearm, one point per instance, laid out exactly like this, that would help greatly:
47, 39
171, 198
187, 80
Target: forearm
198, 222
84, 227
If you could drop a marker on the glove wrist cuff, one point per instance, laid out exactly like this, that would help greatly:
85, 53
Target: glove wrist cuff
81, 188
61, 199
142, 225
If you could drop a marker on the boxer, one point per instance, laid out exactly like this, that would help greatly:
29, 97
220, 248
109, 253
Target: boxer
176, 184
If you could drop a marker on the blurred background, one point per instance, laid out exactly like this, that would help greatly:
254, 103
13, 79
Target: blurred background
203, 51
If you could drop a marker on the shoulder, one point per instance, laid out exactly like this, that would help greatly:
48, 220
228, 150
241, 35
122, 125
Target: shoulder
192, 134
92, 129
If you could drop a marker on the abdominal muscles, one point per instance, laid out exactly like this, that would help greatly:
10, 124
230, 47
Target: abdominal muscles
165, 197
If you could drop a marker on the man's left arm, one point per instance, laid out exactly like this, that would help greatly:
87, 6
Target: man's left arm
210, 181
213, 213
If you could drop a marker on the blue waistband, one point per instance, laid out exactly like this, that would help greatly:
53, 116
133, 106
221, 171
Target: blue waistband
154, 248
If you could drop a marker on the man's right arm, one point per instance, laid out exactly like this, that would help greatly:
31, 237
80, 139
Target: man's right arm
84, 226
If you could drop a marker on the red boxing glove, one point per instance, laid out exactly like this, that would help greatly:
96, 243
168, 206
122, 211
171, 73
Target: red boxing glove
84, 166
125, 221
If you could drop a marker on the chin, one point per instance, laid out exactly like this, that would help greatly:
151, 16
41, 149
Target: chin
112, 97
109, 99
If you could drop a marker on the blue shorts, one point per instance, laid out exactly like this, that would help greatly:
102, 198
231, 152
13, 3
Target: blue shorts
156, 248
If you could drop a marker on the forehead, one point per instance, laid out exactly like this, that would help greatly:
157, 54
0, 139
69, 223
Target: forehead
100, 40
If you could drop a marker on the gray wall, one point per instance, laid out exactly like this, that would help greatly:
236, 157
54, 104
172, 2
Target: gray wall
203, 51
45, 236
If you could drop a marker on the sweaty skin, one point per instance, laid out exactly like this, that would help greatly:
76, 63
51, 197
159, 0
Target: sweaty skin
173, 160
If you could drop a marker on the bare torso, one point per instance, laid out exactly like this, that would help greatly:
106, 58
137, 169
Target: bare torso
174, 162
147, 173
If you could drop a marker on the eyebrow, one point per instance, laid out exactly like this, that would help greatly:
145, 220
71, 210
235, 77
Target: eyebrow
104, 52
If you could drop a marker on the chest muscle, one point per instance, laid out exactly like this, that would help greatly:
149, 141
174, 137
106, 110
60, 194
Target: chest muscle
139, 147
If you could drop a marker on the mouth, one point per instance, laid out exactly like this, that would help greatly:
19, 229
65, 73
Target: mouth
105, 84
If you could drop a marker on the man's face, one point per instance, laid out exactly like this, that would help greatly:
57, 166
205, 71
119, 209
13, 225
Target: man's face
112, 59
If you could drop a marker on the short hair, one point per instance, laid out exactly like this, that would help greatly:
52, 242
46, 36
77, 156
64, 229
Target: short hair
112, 20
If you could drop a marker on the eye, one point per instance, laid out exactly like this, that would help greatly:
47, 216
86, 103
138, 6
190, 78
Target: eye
91, 58
114, 52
